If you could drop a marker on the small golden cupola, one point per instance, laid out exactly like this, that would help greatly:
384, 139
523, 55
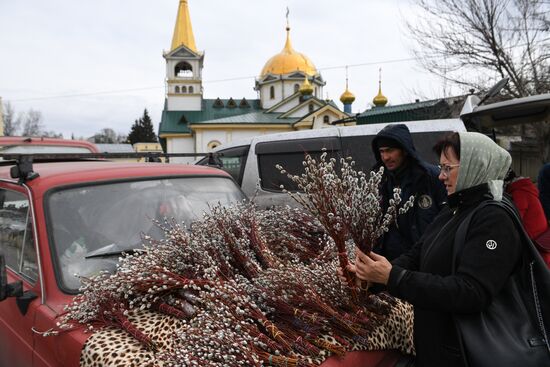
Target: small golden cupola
380, 100
347, 98
288, 60
306, 89
183, 31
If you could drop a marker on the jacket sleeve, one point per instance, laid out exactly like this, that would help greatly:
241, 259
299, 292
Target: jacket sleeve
491, 251
521, 203
410, 259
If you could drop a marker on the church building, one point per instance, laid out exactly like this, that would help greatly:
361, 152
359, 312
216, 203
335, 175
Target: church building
289, 87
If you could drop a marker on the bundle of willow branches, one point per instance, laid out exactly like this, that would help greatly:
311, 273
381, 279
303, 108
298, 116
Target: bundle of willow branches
347, 202
251, 287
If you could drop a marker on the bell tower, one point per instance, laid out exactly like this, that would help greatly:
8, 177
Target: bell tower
183, 66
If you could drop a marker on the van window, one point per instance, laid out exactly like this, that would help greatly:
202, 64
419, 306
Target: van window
424, 143
290, 154
233, 160
16, 234
360, 148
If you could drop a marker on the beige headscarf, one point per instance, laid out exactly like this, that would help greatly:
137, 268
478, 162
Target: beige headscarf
482, 161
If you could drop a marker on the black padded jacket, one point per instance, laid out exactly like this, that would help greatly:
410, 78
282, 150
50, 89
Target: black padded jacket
423, 276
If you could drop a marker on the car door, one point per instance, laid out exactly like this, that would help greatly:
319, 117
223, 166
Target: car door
233, 161
17, 244
289, 154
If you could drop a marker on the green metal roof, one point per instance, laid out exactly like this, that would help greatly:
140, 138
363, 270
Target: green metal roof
256, 117
425, 110
172, 122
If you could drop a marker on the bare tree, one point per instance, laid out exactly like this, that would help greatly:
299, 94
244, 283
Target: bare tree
11, 122
32, 123
108, 136
475, 42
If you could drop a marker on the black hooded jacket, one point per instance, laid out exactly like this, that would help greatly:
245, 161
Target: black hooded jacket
423, 276
415, 177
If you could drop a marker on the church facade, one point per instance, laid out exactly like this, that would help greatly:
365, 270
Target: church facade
289, 87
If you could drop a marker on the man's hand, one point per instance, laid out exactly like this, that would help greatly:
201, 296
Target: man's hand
372, 267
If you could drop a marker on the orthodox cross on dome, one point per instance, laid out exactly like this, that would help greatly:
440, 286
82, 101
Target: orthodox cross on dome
287, 21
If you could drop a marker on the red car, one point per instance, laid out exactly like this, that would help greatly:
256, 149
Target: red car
77, 217
62, 219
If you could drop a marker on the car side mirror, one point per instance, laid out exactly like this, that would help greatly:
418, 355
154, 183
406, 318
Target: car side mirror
8, 290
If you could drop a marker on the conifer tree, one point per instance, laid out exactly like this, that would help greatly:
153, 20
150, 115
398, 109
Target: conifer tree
142, 130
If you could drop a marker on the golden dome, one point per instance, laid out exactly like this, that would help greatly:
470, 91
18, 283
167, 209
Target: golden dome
380, 100
347, 97
306, 88
288, 61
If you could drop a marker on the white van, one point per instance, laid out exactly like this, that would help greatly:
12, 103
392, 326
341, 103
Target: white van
252, 162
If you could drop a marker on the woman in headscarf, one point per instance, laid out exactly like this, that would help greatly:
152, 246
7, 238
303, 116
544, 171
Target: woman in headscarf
472, 168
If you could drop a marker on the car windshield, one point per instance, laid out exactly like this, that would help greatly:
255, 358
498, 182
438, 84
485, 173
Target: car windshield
91, 225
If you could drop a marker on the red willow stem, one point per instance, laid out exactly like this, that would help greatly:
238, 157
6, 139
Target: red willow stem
282, 361
344, 262
137, 333
258, 245
172, 311
331, 347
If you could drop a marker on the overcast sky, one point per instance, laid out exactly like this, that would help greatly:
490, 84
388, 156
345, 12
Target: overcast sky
88, 65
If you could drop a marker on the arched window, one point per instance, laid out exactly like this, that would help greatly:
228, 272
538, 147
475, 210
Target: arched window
311, 107
191, 90
296, 87
183, 70
184, 89
177, 89
272, 92
326, 119
213, 145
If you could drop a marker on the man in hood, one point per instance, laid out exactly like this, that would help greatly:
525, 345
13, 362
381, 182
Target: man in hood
394, 149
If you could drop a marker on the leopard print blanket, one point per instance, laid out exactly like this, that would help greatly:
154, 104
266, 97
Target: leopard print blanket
114, 347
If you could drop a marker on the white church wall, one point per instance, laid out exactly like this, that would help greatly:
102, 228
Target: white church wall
320, 120
303, 110
206, 137
181, 145
184, 103
265, 95
288, 105
288, 87
283, 89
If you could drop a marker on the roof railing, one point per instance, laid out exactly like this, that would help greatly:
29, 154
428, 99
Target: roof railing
23, 163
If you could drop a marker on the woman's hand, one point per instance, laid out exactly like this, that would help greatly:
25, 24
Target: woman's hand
350, 268
372, 267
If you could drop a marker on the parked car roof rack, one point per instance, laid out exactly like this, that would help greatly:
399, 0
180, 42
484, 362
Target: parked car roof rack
23, 163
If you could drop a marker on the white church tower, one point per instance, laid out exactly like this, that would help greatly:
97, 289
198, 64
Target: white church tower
183, 66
